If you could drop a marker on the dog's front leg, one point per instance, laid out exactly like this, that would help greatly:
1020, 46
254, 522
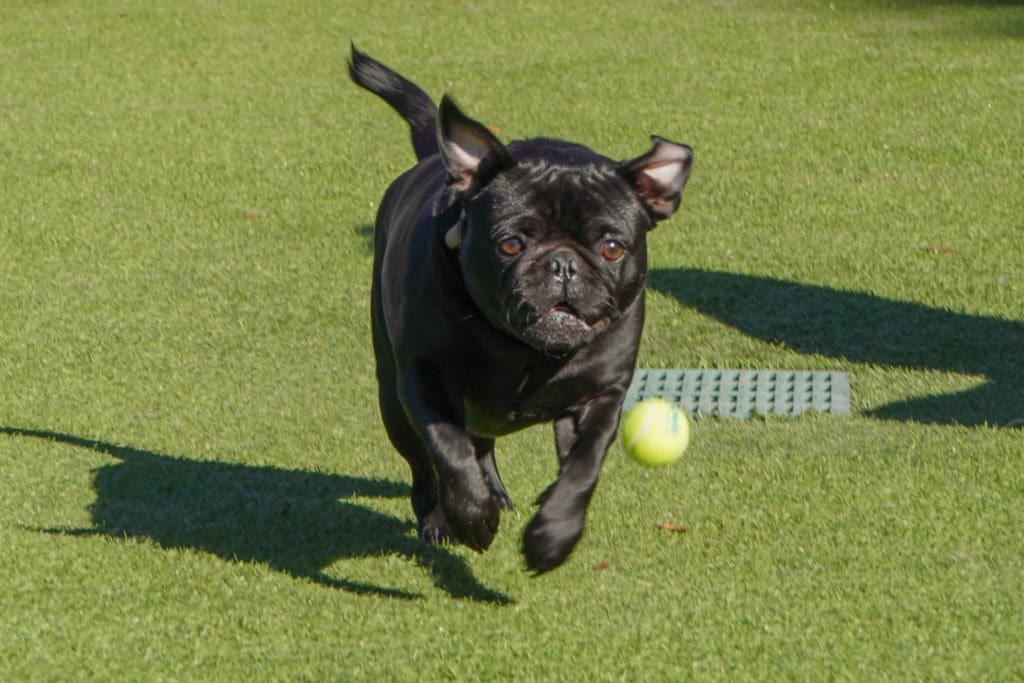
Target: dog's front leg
582, 438
464, 496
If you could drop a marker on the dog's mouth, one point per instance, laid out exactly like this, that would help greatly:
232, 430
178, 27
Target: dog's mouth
564, 308
563, 328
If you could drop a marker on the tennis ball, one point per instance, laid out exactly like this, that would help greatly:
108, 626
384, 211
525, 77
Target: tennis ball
655, 432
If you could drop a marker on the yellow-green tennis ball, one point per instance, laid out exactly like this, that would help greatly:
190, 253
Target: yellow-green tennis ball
655, 432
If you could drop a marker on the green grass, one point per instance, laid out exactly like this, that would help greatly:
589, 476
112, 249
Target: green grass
196, 482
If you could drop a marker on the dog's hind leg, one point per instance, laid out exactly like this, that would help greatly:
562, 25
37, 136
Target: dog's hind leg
429, 518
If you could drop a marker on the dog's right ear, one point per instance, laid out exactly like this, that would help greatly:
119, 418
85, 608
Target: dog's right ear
470, 152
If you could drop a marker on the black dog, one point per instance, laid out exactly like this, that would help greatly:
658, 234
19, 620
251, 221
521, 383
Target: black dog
508, 289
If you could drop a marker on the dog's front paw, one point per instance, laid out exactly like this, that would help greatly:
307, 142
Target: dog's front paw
433, 529
471, 512
548, 540
501, 497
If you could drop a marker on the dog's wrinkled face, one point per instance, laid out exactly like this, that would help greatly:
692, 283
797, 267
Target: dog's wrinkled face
553, 236
554, 253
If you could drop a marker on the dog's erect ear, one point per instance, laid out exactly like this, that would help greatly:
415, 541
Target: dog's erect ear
658, 177
471, 153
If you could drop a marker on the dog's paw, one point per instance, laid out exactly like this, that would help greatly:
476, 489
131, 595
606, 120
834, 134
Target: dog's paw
471, 512
548, 541
501, 497
498, 492
433, 529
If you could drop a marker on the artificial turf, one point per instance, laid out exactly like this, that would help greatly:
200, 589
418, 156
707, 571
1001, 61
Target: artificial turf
196, 482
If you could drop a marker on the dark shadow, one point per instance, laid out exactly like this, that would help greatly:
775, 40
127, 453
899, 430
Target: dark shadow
868, 329
1001, 18
293, 521
365, 233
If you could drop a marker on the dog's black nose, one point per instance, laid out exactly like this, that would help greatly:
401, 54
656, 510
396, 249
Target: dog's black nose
563, 266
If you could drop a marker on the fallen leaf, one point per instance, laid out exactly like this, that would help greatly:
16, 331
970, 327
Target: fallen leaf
494, 129
678, 528
601, 566
941, 250
254, 214
189, 63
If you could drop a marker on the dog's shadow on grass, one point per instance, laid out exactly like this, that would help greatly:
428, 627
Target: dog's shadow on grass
873, 330
364, 231
295, 522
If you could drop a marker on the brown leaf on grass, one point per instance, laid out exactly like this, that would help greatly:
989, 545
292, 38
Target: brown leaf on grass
601, 566
189, 63
670, 526
494, 129
940, 250
254, 214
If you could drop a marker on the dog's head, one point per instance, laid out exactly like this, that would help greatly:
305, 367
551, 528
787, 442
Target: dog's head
552, 238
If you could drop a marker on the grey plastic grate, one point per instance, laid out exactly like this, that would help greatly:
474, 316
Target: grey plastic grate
743, 393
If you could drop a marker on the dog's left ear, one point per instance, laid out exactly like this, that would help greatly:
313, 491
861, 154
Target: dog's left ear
658, 177
470, 152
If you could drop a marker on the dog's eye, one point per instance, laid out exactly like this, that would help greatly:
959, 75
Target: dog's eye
511, 246
612, 250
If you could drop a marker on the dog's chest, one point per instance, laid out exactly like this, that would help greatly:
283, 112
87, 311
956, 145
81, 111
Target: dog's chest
493, 421
518, 402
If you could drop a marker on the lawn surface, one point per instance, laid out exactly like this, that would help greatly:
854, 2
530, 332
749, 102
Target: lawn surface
196, 484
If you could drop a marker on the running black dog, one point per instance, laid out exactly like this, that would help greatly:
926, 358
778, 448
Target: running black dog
508, 290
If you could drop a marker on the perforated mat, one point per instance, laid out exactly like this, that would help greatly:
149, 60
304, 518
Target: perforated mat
743, 393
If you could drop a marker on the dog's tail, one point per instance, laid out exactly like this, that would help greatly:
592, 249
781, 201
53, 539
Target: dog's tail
415, 106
